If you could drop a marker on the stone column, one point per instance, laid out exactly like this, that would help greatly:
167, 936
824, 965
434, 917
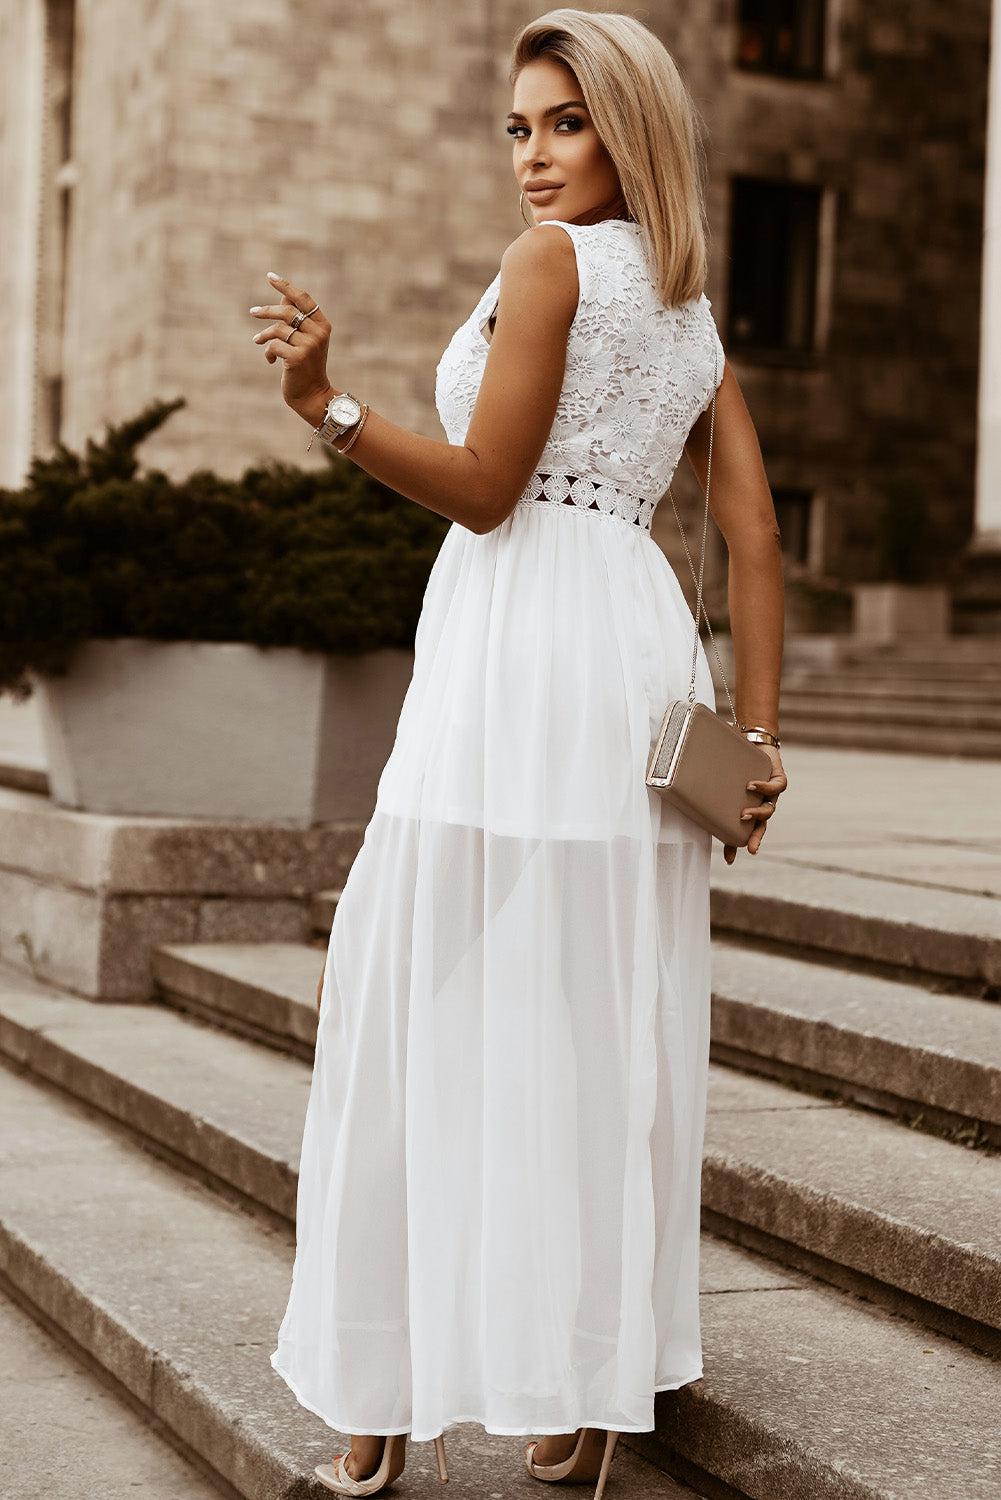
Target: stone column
978, 598
21, 95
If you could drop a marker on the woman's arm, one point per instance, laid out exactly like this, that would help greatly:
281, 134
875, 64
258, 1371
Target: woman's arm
742, 506
478, 482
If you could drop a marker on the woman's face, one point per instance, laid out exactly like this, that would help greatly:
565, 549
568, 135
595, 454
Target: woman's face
555, 142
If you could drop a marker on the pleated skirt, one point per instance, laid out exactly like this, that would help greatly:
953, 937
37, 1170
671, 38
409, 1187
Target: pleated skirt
499, 1187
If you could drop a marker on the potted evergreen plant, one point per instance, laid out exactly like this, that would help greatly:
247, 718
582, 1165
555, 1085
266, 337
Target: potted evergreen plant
210, 647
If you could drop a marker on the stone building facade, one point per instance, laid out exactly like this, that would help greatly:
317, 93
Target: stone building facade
157, 157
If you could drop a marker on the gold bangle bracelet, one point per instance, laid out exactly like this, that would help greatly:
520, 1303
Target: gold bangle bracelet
759, 735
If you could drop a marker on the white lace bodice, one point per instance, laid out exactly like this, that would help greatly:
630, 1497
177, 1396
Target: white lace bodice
638, 374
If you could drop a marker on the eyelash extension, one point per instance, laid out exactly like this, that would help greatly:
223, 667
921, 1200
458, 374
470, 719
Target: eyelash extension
570, 119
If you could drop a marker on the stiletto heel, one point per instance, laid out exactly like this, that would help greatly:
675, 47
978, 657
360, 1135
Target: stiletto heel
391, 1465
606, 1463
592, 1442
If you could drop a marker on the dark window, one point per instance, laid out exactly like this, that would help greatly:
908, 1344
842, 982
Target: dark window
773, 264
792, 511
54, 407
782, 36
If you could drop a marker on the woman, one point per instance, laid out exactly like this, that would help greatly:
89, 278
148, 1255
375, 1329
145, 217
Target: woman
498, 1204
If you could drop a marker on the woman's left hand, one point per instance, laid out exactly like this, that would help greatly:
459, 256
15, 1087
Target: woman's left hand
772, 788
304, 351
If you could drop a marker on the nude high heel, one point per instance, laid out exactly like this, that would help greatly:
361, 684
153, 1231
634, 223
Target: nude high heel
391, 1465
594, 1445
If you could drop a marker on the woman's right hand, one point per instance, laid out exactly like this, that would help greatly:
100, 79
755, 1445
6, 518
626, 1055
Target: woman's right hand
773, 789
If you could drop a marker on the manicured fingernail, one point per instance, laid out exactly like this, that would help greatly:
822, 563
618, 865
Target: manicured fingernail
745, 817
273, 276
255, 309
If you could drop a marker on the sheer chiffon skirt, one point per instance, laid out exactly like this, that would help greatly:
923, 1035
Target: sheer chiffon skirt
499, 1188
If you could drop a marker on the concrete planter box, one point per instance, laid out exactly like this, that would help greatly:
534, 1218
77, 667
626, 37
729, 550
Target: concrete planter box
897, 611
221, 730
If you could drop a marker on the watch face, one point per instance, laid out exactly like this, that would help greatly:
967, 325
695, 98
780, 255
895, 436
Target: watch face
344, 409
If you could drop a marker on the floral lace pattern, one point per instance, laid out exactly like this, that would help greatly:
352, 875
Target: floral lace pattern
638, 374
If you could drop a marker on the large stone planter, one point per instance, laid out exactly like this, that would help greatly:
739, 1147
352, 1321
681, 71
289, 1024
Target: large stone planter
221, 730
898, 611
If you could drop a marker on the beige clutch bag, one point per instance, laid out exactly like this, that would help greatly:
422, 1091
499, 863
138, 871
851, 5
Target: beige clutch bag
700, 762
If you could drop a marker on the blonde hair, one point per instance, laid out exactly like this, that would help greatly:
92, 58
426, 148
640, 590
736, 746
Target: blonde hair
648, 124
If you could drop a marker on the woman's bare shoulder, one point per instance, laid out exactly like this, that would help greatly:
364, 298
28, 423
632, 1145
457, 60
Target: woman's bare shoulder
542, 262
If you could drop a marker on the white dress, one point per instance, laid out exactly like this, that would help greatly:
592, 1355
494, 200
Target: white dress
499, 1190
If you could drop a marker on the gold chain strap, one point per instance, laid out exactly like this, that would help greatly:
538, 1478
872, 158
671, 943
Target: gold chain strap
699, 606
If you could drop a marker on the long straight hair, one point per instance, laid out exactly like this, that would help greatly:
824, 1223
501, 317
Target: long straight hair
648, 124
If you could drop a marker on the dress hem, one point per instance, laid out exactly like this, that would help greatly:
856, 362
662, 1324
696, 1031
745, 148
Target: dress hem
451, 1422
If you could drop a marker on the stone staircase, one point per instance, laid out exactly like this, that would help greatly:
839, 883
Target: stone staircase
941, 698
851, 1304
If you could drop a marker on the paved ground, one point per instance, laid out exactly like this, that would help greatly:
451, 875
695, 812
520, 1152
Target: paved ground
921, 819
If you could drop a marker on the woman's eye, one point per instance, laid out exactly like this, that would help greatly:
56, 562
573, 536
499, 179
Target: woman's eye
574, 120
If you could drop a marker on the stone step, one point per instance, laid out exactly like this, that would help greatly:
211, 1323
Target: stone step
214, 1103
931, 669
807, 1392
890, 711
892, 690
775, 1158
955, 648
926, 739
890, 1044
63, 1432
265, 991
922, 929
907, 1218
927, 929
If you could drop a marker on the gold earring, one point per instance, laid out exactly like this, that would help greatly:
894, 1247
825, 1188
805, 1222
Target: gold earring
521, 208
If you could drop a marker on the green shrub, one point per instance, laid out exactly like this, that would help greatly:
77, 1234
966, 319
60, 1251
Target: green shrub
91, 547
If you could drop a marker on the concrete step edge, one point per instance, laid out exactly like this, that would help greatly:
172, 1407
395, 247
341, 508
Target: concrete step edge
193, 977
950, 1286
972, 745
852, 707
833, 920
771, 1012
187, 1138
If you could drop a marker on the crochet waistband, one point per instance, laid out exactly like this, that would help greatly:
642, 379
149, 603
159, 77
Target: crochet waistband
589, 494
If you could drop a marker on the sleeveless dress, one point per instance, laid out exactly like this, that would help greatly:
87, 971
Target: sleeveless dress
499, 1189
